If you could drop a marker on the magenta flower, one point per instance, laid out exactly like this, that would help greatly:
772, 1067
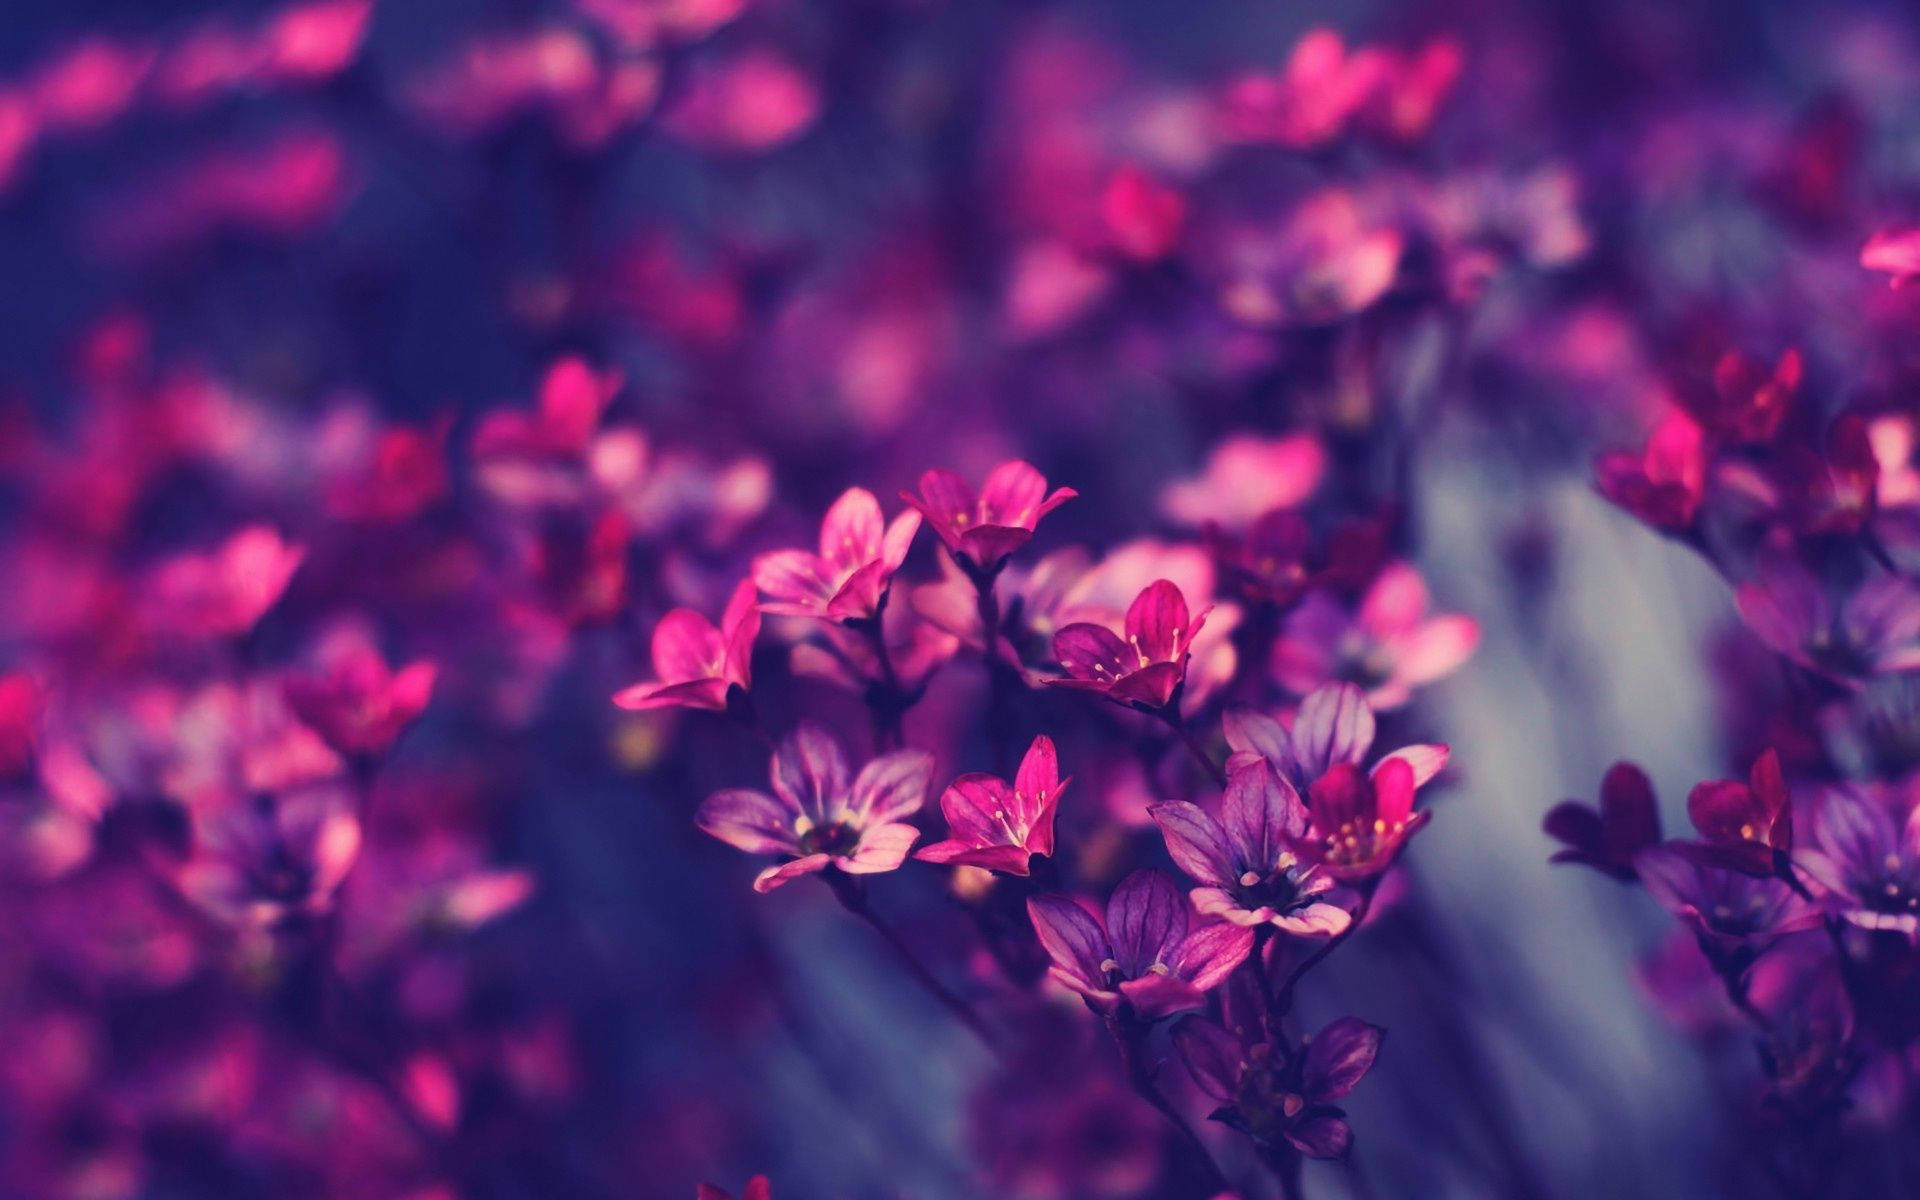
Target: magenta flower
1360, 822
1255, 861
1277, 1098
983, 530
1866, 857
1895, 251
999, 827
1389, 645
357, 703
1875, 630
1731, 912
1247, 478
698, 663
1747, 824
1608, 838
1664, 484
816, 818
1147, 666
1149, 954
848, 579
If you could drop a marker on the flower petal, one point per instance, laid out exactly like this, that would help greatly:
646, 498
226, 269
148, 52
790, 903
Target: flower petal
748, 820
1196, 842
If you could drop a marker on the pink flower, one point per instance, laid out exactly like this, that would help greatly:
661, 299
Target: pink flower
999, 827
353, 700
747, 104
1389, 645
1746, 402
1309, 103
848, 579
1608, 838
698, 664
1360, 822
1895, 251
538, 458
1747, 824
1143, 216
816, 818
1145, 668
1255, 861
1246, 478
1334, 725
1148, 955
981, 531
1665, 484
224, 592
1328, 261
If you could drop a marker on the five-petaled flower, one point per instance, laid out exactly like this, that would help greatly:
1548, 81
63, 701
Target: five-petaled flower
848, 579
1256, 860
1149, 955
998, 826
818, 817
1147, 666
1360, 822
1390, 644
698, 663
1733, 914
1277, 1098
353, 699
981, 531
1334, 724
1866, 856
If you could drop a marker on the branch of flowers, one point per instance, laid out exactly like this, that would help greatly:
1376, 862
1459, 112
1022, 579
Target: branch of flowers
852, 896
1129, 1035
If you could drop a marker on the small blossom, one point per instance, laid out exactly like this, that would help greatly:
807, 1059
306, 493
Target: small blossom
1745, 823
1149, 954
274, 856
353, 699
816, 818
1746, 402
1609, 838
1866, 856
1895, 251
1000, 827
1389, 645
699, 664
1361, 821
848, 579
1143, 216
1875, 630
1247, 478
983, 530
1148, 665
1728, 910
1665, 484
1334, 724
226, 591
1254, 861
1274, 1097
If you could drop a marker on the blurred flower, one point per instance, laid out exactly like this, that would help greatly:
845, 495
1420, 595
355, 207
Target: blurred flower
1866, 856
815, 818
353, 699
1747, 824
1728, 909
1610, 838
1247, 478
266, 858
1389, 644
1895, 251
1876, 630
1665, 485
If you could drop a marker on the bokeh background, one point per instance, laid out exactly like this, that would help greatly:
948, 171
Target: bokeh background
832, 243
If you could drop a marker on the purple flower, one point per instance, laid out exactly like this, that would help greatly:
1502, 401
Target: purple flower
1253, 861
274, 856
1334, 725
1866, 857
1149, 954
815, 818
1747, 824
848, 579
983, 530
1390, 644
999, 827
1626, 822
1148, 665
1875, 630
1725, 908
1274, 1097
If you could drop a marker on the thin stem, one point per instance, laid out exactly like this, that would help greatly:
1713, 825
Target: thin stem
1128, 1035
886, 699
1171, 715
999, 694
1331, 944
853, 898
